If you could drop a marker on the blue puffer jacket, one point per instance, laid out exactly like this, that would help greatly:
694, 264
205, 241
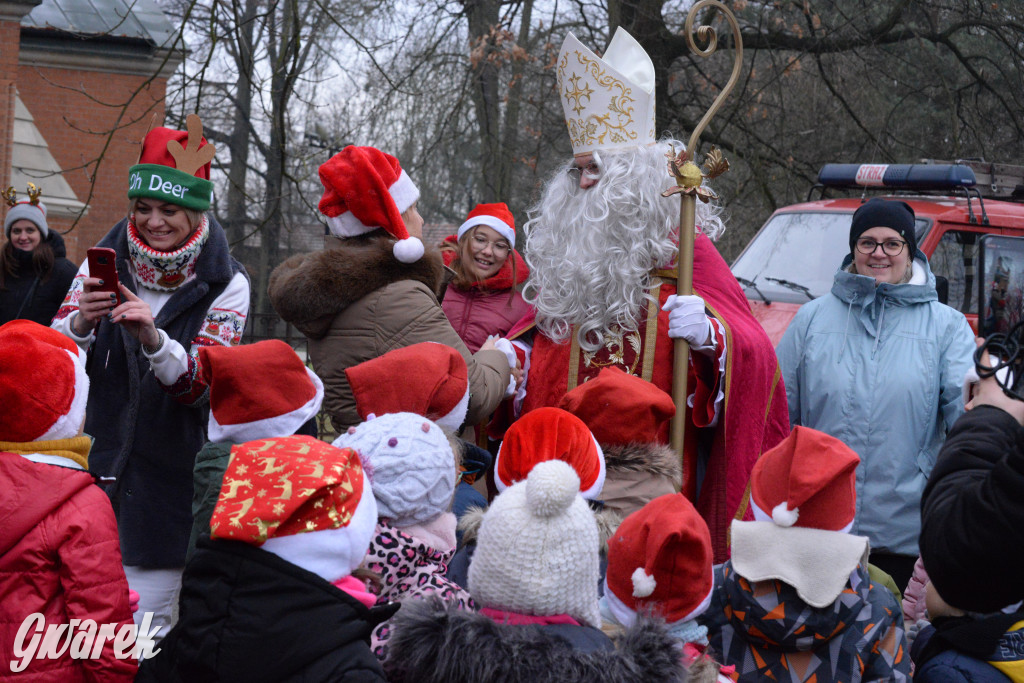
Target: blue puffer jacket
880, 368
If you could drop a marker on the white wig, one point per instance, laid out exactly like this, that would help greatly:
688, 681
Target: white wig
591, 251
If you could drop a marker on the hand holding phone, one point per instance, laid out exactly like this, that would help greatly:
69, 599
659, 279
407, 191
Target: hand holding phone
103, 266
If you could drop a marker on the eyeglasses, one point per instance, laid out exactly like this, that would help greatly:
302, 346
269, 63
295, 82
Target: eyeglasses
892, 247
591, 171
499, 247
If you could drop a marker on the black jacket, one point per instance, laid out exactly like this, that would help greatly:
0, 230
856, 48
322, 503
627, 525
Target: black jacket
249, 615
48, 293
145, 438
431, 643
972, 532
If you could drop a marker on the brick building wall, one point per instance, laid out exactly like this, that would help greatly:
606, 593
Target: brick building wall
76, 110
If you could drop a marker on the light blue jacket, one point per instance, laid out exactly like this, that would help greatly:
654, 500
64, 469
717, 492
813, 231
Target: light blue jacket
880, 368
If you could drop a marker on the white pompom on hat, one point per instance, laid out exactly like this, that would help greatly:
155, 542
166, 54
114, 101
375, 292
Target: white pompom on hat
411, 465
366, 189
660, 557
537, 549
42, 375
807, 480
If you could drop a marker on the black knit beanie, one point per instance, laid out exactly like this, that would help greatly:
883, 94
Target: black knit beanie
885, 213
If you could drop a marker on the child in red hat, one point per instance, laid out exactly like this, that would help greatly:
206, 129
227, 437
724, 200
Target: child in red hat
796, 597
270, 595
59, 552
375, 288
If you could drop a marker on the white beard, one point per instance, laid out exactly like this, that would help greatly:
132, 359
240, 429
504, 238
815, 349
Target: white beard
591, 251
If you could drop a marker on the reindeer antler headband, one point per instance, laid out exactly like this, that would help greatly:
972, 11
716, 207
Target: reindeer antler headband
10, 195
174, 167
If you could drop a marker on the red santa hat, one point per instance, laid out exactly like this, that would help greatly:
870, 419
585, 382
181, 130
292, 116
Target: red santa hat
43, 385
301, 499
807, 480
366, 189
660, 557
495, 216
258, 391
620, 408
550, 434
427, 379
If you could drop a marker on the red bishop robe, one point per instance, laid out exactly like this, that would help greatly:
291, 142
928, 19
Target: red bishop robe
754, 414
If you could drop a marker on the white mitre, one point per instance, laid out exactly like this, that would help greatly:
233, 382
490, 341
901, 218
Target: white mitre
608, 103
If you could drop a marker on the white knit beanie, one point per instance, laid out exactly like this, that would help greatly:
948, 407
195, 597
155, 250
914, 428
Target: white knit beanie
537, 549
410, 463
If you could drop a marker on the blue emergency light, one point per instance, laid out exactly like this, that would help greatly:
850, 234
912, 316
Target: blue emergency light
897, 176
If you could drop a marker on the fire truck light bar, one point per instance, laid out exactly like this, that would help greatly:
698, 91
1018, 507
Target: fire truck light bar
897, 176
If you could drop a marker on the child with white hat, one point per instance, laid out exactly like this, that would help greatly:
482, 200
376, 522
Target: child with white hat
796, 598
535, 576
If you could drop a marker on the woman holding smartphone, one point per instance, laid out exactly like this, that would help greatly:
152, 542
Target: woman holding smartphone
178, 289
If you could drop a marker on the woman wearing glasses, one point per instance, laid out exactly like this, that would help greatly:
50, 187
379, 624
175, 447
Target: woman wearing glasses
879, 364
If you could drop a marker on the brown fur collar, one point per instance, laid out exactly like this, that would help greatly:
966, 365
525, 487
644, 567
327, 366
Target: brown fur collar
308, 290
653, 458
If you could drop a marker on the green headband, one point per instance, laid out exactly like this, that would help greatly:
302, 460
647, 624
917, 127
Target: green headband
169, 185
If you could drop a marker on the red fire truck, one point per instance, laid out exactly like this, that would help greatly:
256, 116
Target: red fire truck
794, 256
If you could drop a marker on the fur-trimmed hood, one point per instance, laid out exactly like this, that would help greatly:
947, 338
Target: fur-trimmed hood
432, 643
650, 458
308, 290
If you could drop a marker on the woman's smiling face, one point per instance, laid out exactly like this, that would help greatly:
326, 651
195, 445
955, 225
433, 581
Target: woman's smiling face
484, 253
879, 265
162, 226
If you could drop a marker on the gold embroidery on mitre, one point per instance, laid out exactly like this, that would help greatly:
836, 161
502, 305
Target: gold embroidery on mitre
604, 108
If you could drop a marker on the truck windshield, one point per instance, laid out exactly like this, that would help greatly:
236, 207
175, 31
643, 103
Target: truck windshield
803, 249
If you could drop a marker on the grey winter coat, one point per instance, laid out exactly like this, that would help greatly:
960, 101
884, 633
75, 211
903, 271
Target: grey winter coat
432, 643
880, 368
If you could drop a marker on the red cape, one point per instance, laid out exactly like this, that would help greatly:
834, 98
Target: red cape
755, 415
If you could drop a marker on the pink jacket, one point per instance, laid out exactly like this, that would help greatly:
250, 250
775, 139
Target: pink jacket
913, 595
485, 309
59, 557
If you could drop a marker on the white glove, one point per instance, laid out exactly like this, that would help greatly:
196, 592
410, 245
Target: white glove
687, 320
505, 346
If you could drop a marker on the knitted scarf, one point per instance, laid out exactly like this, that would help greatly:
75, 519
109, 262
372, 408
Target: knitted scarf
166, 271
75, 449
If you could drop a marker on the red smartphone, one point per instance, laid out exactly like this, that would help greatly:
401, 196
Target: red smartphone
103, 264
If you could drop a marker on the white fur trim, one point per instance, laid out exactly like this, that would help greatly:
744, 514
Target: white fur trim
347, 225
500, 226
332, 554
595, 489
69, 424
404, 192
623, 614
279, 425
815, 562
762, 516
783, 516
643, 583
409, 250
454, 419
